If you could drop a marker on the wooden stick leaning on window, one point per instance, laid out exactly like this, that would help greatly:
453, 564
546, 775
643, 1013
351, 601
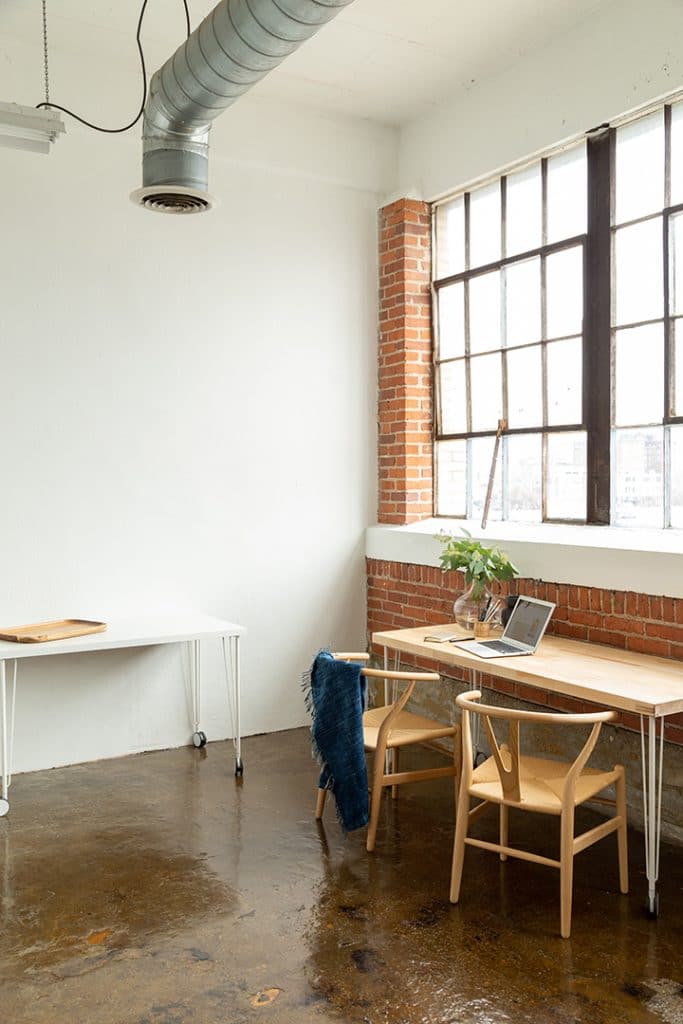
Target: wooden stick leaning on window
502, 427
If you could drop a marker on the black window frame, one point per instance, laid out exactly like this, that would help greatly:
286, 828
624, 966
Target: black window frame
598, 323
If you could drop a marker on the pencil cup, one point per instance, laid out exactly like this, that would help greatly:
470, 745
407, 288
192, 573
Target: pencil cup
482, 629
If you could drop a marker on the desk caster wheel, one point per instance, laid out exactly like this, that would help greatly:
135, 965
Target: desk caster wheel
4, 808
652, 910
239, 767
199, 739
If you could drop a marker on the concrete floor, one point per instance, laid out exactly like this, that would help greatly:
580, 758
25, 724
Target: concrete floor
158, 890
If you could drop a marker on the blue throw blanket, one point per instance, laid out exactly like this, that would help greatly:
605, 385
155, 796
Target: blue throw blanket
335, 696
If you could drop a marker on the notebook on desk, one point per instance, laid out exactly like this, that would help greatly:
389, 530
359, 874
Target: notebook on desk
523, 632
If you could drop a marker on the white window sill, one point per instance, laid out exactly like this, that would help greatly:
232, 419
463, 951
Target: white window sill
613, 558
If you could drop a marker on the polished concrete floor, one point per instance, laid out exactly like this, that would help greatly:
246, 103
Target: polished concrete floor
157, 889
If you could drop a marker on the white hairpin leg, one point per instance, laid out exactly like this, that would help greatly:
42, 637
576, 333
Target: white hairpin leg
652, 805
6, 733
231, 662
12, 717
479, 755
198, 737
390, 695
387, 754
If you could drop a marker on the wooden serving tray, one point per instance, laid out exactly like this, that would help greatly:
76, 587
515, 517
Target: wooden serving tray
62, 629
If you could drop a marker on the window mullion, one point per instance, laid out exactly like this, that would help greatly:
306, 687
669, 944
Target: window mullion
666, 456
597, 326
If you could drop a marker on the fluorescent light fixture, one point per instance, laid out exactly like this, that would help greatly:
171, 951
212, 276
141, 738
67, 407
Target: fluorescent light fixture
28, 128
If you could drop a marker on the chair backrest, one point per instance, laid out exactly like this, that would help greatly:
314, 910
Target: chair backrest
510, 774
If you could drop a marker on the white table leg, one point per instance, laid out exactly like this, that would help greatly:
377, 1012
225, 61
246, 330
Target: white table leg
652, 805
198, 737
476, 725
12, 717
390, 698
4, 739
239, 767
231, 662
387, 753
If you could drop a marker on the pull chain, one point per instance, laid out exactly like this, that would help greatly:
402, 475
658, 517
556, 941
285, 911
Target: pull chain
45, 63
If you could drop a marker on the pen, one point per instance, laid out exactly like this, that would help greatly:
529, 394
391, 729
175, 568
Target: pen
482, 613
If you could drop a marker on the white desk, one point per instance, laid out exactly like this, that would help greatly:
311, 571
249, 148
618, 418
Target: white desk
140, 632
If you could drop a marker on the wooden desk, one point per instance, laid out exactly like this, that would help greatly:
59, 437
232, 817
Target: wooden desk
650, 687
143, 632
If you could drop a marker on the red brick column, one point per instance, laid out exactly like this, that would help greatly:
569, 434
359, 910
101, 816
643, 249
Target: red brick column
405, 379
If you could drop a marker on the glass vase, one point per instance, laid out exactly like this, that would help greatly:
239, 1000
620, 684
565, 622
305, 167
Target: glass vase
470, 605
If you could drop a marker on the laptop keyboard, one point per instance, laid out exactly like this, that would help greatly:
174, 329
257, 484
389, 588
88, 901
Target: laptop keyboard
498, 645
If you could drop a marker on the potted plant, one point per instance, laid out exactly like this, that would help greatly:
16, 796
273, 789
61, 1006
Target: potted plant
480, 567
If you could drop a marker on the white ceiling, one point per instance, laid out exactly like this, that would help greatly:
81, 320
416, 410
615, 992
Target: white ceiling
387, 60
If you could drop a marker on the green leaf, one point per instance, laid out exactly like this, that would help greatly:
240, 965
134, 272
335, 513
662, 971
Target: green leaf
476, 561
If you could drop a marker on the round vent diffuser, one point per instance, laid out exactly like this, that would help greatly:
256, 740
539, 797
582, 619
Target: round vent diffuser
172, 199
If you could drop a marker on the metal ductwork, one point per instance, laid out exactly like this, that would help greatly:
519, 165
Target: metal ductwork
238, 43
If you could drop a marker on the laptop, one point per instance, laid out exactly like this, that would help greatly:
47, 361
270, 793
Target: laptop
523, 632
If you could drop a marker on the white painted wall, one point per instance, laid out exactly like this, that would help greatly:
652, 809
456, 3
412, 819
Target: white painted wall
187, 407
627, 54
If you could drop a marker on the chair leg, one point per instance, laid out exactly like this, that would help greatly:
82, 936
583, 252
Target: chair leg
394, 768
461, 823
320, 803
504, 828
622, 833
376, 801
566, 871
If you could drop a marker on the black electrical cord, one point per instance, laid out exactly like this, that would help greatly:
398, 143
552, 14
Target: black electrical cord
131, 124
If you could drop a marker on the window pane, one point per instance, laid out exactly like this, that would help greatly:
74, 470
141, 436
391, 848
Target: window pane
639, 378
525, 387
485, 225
453, 397
678, 368
566, 468
640, 167
486, 386
481, 453
565, 374
523, 302
676, 264
638, 262
451, 302
523, 210
676, 154
564, 292
451, 470
485, 312
450, 238
676, 477
524, 468
638, 472
567, 202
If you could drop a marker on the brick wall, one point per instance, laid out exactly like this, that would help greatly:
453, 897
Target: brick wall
401, 595
405, 379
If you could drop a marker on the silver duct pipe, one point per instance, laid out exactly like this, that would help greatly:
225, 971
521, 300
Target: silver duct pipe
238, 43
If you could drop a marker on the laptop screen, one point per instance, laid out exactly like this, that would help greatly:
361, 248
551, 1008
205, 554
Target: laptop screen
528, 621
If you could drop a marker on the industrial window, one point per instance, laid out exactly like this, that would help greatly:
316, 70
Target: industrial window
558, 292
